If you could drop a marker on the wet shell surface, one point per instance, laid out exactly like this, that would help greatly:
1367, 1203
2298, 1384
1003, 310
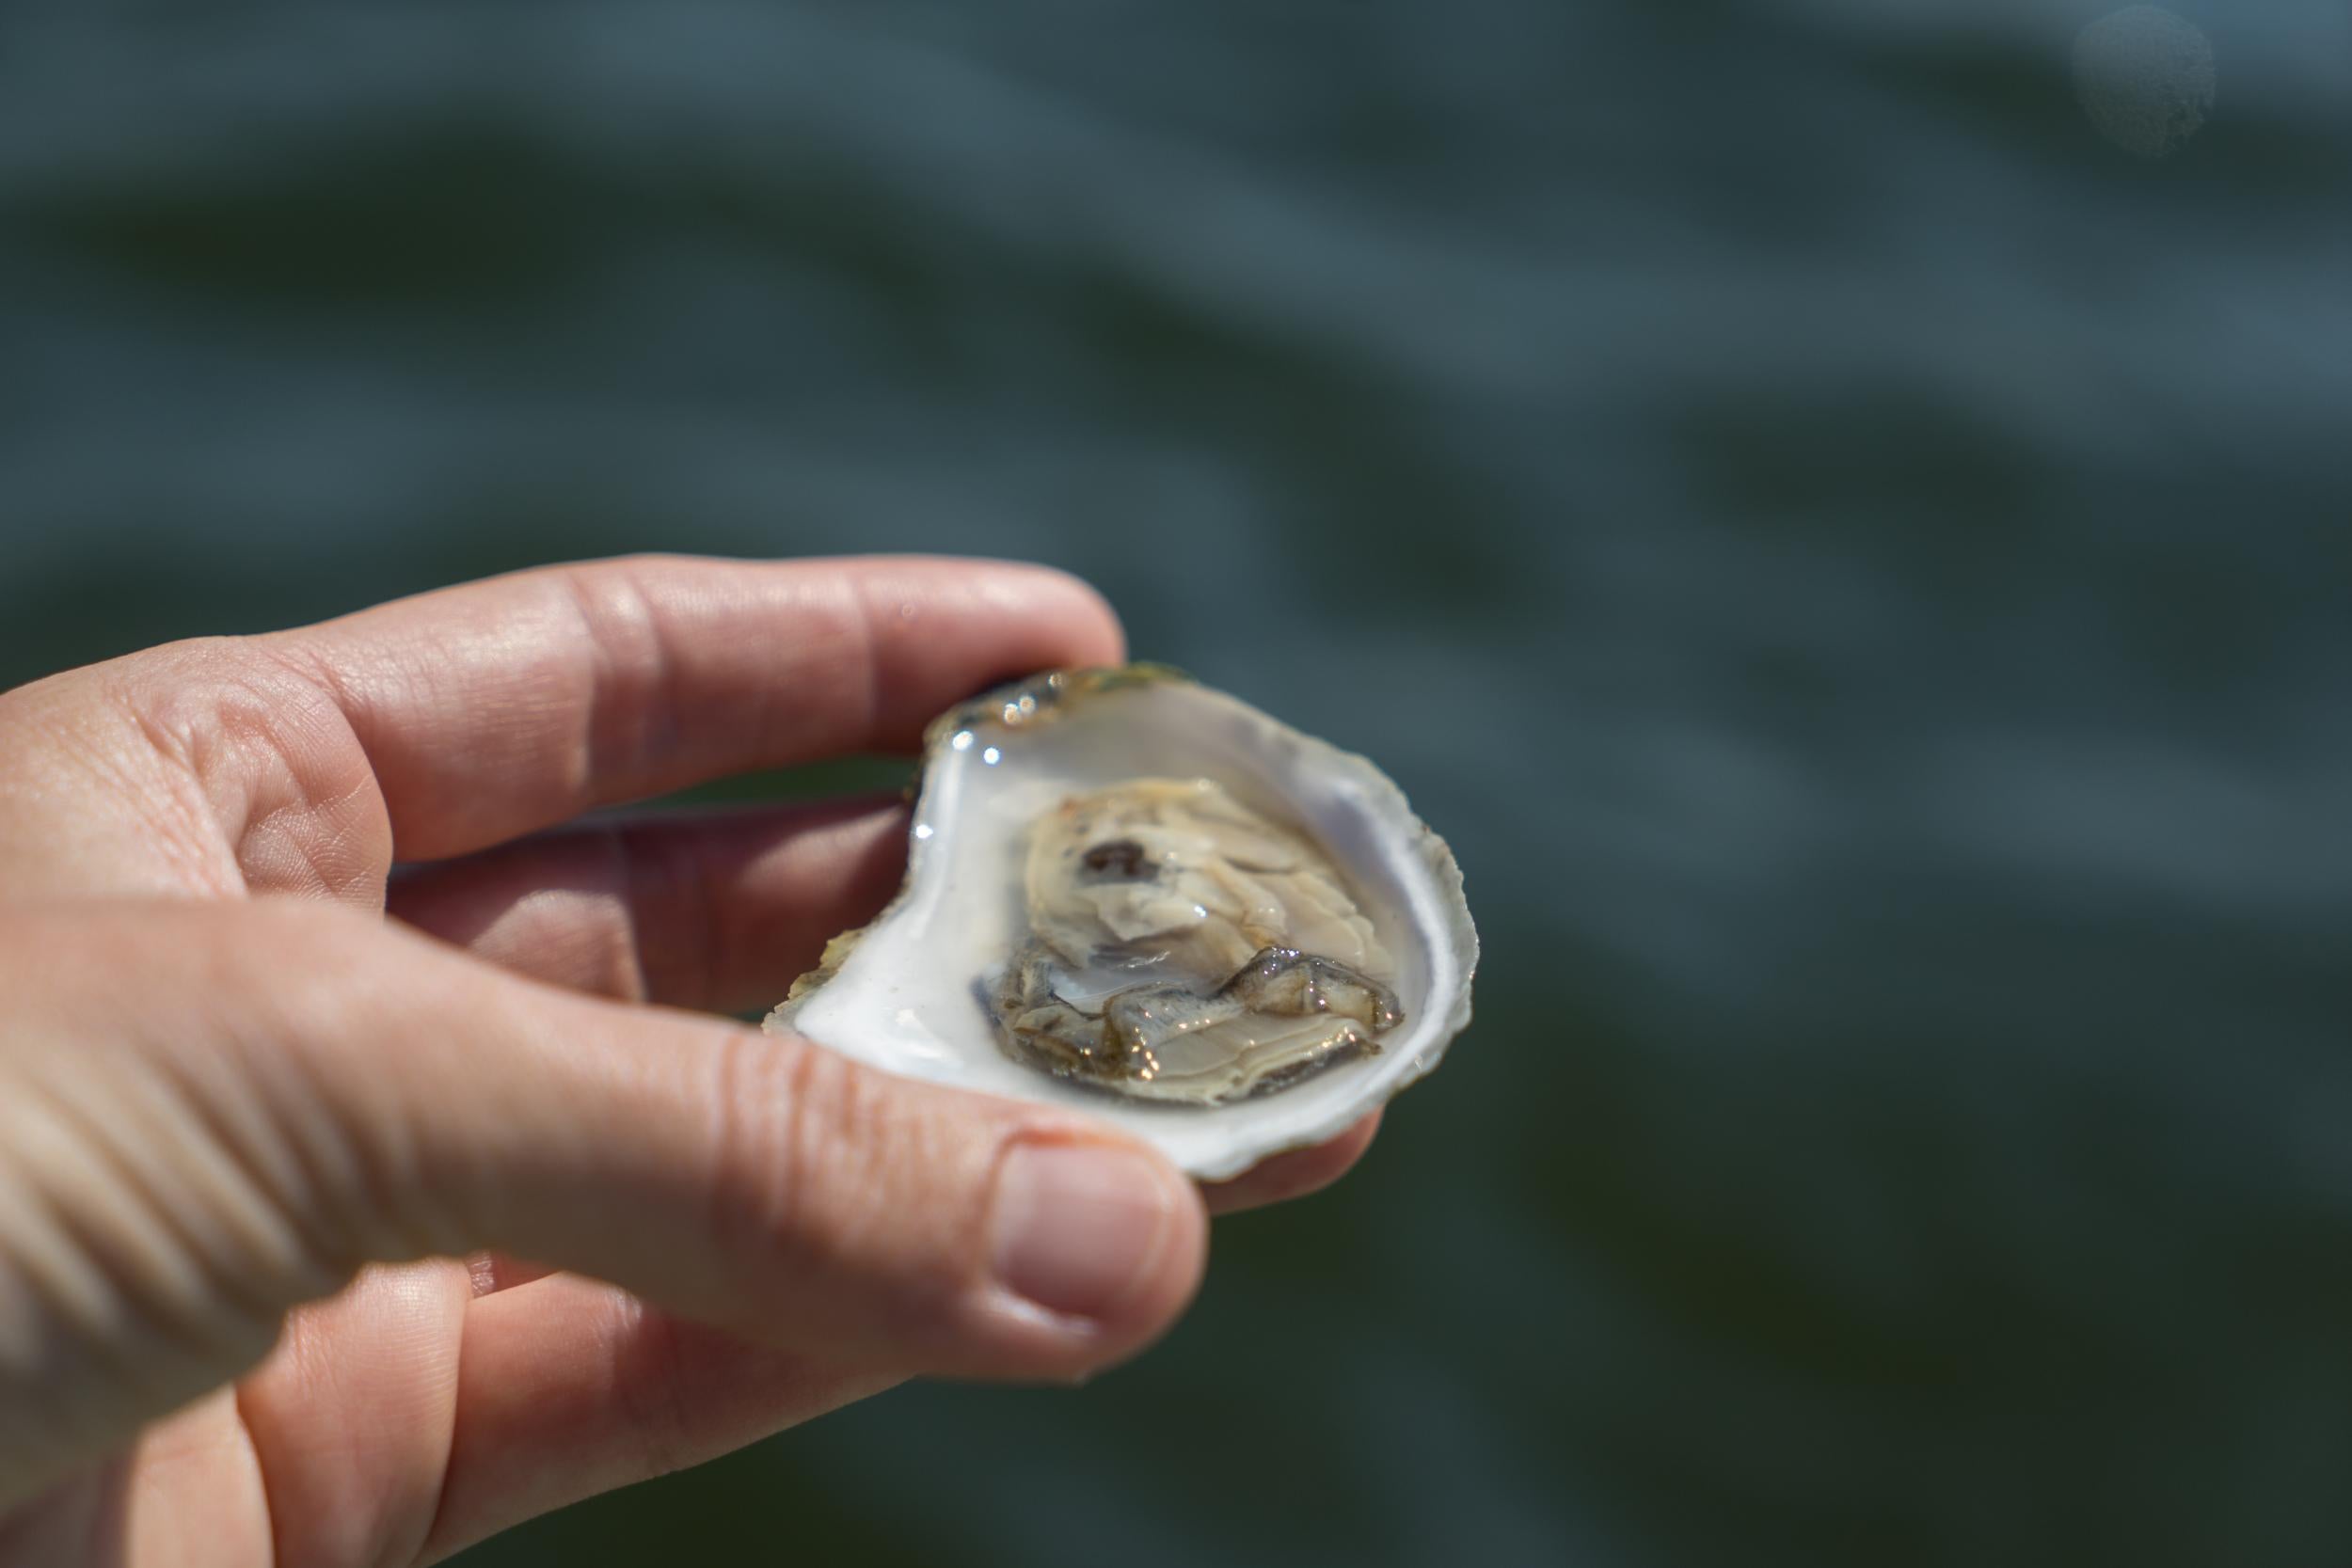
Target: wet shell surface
1148, 901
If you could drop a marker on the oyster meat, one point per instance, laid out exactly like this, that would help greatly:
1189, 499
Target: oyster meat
1143, 898
1182, 947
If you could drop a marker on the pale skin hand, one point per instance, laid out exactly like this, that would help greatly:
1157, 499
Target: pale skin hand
231, 1090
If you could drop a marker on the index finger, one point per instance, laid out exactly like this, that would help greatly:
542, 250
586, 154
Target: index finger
498, 707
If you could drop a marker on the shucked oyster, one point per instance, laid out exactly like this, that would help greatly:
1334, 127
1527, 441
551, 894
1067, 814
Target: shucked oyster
1183, 948
1146, 899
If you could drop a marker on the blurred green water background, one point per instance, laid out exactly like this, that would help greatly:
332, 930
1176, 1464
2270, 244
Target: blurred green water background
1855, 560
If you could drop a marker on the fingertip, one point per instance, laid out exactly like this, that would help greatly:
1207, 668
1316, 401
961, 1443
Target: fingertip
1293, 1175
1082, 614
1167, 1290
1102, 1244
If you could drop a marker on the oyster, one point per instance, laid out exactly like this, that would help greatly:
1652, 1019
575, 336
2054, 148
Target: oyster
1145, 899
1180, 946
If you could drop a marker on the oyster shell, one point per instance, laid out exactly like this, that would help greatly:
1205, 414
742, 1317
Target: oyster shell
1145, 899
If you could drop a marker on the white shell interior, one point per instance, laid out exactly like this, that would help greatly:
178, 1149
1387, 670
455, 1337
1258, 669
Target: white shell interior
904, 999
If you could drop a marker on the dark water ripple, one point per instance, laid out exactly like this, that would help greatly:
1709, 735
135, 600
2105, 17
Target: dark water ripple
1856, 563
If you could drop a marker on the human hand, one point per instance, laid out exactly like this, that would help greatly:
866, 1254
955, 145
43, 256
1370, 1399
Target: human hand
230, 1090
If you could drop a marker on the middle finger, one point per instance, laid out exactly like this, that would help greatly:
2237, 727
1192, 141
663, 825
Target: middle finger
716, 911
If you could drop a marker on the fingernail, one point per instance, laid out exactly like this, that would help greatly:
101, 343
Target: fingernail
1076, 1225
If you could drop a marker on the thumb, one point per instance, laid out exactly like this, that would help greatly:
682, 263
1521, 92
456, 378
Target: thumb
758, 1182
297, 1091
763, 1182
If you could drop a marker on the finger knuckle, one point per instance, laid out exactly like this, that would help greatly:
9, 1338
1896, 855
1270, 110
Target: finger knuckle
650, 1376
261, 747
154, 1219
831, 1172
298, 997
667, 915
